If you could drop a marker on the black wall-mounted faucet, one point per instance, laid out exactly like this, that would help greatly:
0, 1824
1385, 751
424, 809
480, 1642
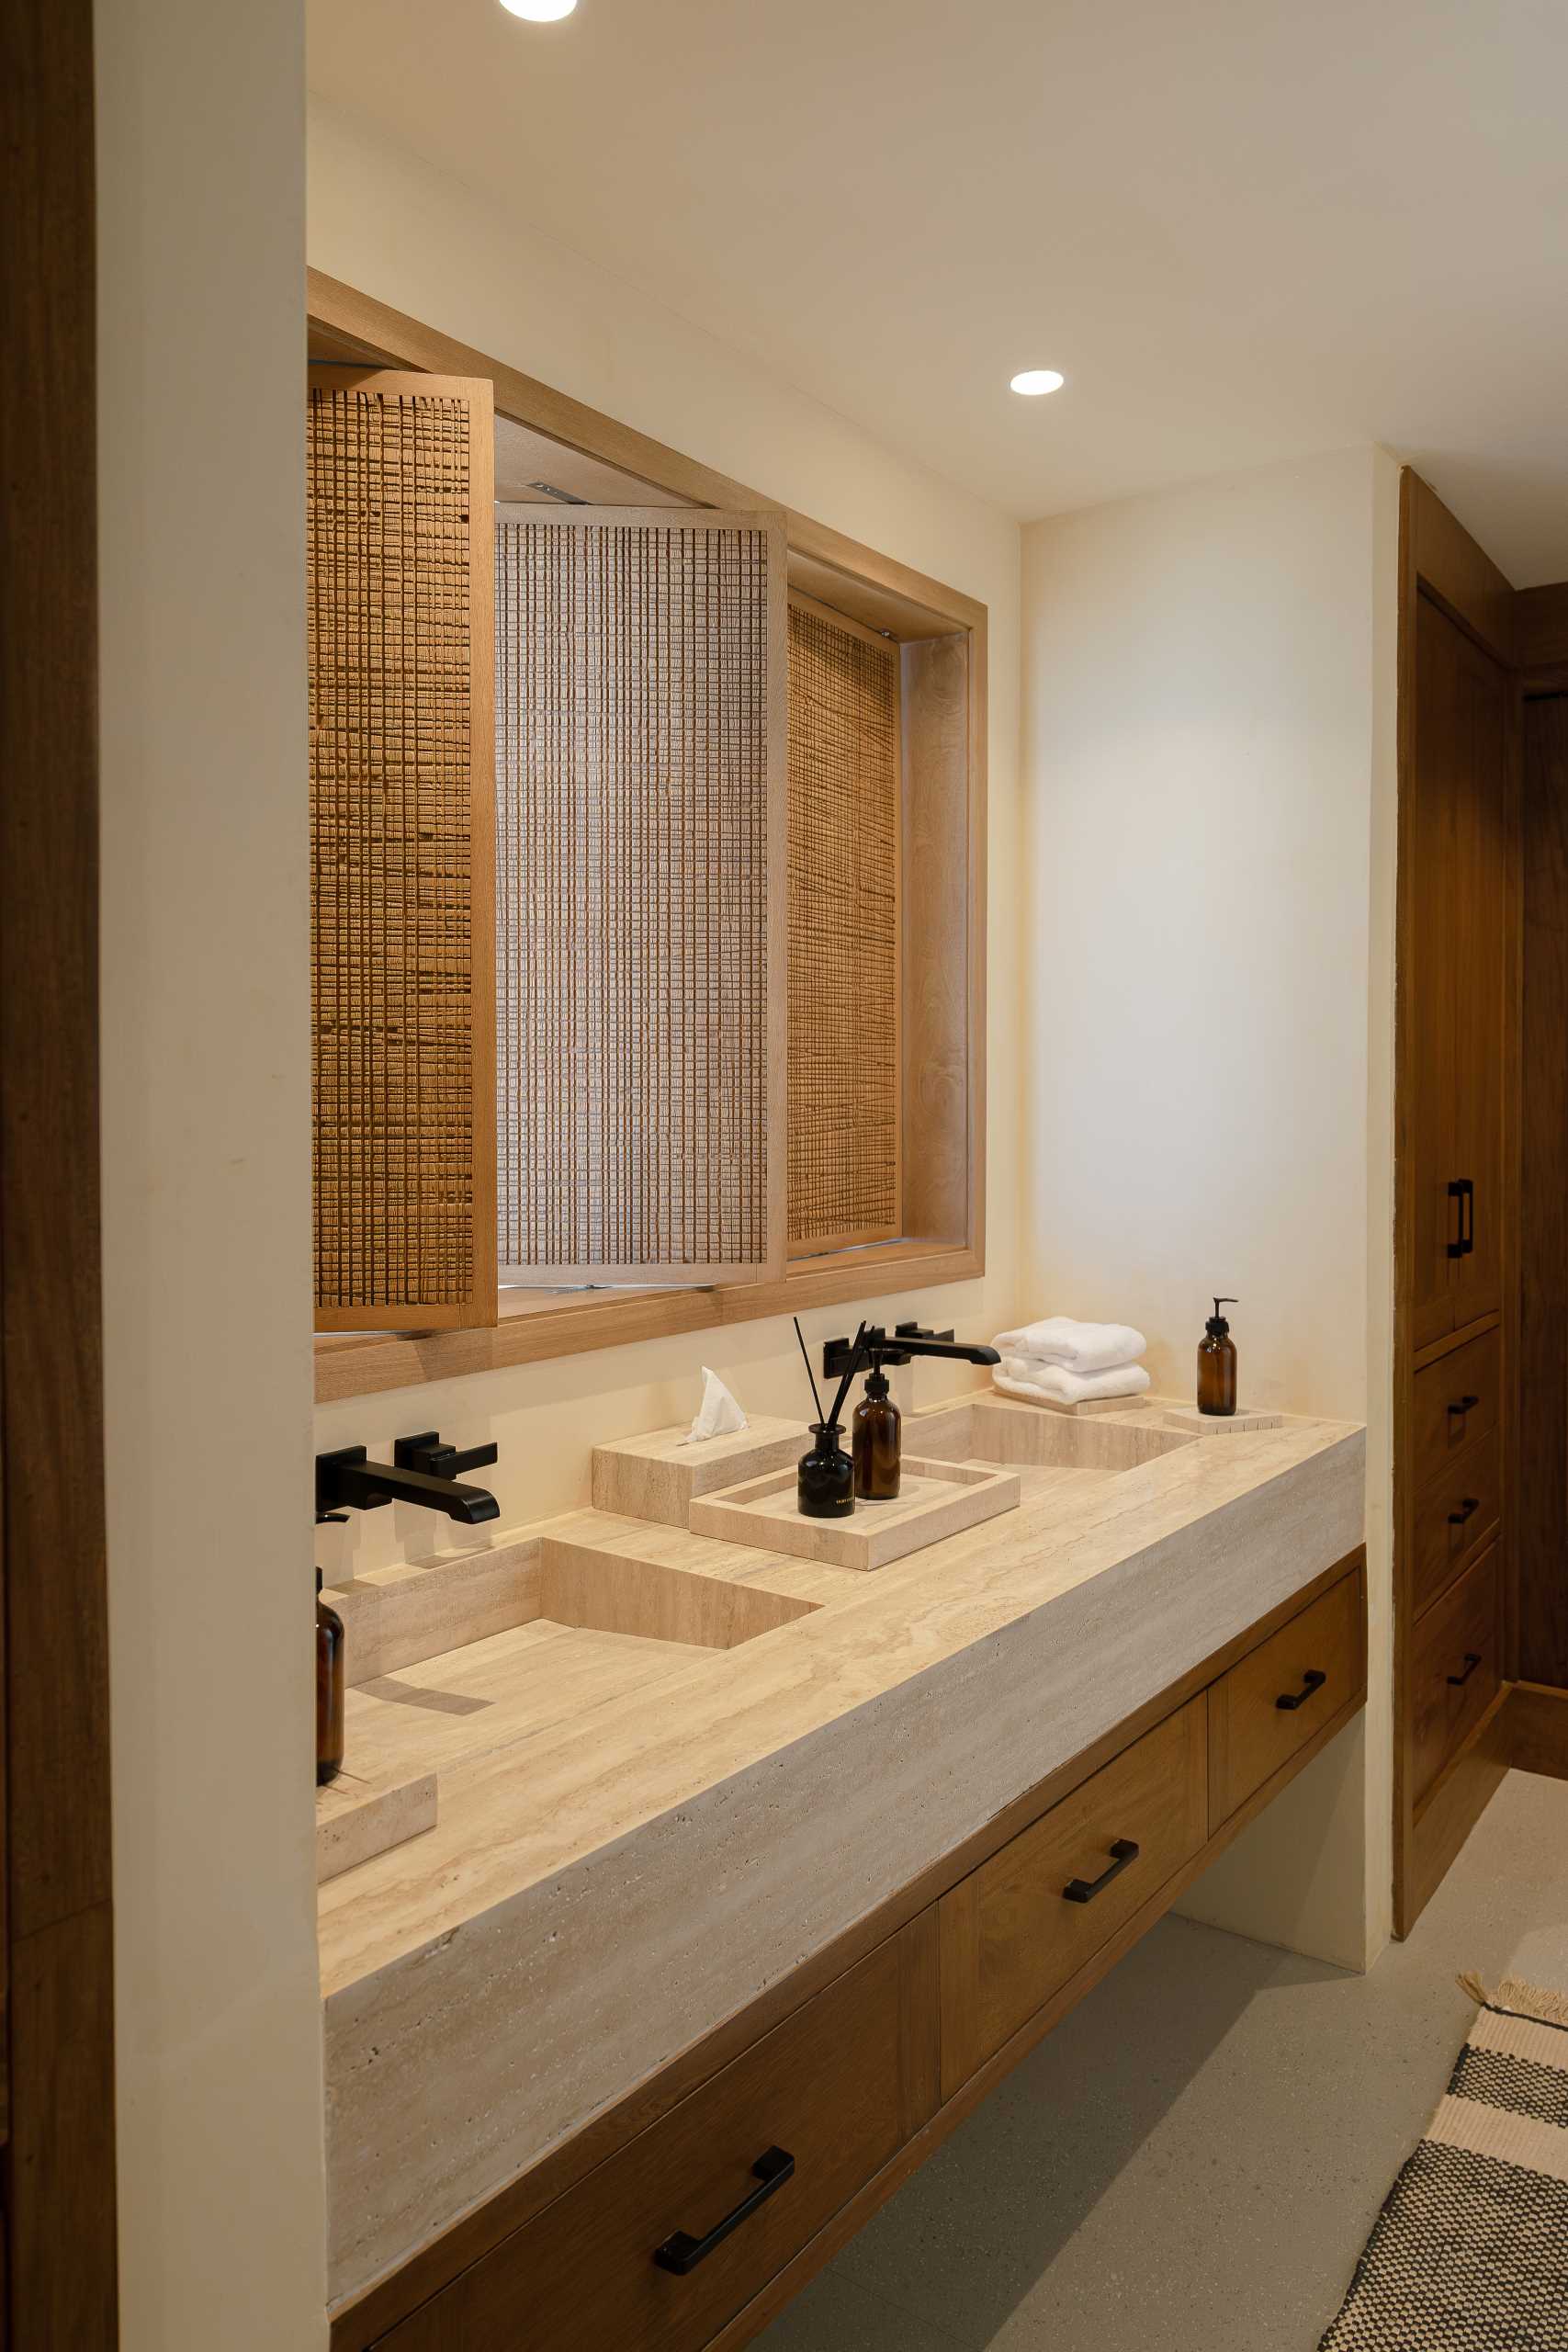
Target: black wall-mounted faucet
908, 1342
420, 1471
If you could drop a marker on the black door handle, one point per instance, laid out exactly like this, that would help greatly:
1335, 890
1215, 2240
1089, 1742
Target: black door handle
1467, 1510
1462, 1190
1472, 1660
1464, 1404
1311, 1680
1084, 1890
682, 2253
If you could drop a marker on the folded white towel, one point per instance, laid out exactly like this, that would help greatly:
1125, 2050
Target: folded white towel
1052, 1384
1077, 1347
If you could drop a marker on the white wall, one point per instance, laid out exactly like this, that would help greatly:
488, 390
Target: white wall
1208, 694
386, 222
206, 1184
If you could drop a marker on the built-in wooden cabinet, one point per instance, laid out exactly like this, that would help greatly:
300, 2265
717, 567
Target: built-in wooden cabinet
1457, 976
1016, 1931
729, 2187
1457, 1269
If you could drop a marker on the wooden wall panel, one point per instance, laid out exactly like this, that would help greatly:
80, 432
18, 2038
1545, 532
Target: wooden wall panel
642, 788
1543, 1620
1453, 567
399, 524
1541, 627
59, 2274
845, 1141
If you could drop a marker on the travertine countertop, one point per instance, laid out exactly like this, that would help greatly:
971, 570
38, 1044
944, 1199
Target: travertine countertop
629, 1853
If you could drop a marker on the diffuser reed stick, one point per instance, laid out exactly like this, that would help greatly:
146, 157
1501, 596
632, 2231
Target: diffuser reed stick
806, 1359
845, 1384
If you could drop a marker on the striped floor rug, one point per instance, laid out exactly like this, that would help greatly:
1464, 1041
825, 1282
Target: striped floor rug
1470, 2253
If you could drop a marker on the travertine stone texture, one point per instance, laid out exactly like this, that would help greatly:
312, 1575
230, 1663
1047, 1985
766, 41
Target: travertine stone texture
356, 1818
657, 1476
628, 1864
934, 1499
1187, 1417
393, 1617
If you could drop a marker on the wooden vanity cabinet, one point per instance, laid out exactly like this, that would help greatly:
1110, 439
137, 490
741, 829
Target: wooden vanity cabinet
664, 2243
863, 2077
1015, 1930
1271, 1704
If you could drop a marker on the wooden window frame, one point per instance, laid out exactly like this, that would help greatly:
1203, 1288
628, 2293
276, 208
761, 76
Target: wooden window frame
944, 637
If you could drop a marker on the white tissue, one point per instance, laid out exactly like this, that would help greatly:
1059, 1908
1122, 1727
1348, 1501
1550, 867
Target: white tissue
719, 1415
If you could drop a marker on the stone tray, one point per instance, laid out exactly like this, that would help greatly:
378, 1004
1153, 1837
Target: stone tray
935, 1498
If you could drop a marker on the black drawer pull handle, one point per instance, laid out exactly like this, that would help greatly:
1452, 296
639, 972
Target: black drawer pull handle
1472, 1660
1311, 1680
1462, 1190
1084, 1890
683, 2252
1467, 1510
1465, 1404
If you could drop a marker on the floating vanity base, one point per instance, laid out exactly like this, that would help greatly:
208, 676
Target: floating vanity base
935, 1498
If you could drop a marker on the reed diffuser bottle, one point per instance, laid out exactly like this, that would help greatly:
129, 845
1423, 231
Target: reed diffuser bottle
825, 1478
825, 1481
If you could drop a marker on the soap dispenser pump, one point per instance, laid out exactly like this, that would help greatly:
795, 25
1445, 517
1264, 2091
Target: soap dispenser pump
875, 1439
1217, 1364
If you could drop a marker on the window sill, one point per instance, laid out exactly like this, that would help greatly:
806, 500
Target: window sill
535, 1326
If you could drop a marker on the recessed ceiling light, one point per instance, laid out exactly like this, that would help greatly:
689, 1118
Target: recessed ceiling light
1033, 380
539, 12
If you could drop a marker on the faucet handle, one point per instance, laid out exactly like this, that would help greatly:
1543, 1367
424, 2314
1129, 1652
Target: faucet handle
913, 1331
427, 1453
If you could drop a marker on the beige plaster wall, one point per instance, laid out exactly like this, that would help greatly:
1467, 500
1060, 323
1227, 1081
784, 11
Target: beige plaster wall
1208, 762
205, 1187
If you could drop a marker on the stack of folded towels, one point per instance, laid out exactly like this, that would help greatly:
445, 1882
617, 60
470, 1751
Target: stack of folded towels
1059, 1362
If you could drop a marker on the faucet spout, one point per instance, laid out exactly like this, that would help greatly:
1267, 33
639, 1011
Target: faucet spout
906, 1341
346, 1480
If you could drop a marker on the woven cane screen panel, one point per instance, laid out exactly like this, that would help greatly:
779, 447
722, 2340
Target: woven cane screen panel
843, 934
632, 786
391, 666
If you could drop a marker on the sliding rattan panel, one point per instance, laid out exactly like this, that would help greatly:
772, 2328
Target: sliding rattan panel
400, 536
642, 788
844, 821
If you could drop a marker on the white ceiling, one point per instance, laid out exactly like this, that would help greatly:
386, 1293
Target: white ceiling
1242, 229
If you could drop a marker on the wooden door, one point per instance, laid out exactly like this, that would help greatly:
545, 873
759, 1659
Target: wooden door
1543, 1236
1457, 1006
1478, 905
1430, 1010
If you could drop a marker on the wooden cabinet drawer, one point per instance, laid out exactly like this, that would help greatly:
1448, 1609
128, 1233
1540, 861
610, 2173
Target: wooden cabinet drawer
1456, 1519
839, 2087
1011, 1934
1454, 1405
1454, 1670
1272, 1701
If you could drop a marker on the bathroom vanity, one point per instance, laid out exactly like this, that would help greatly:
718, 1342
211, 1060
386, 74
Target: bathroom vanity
752, 1873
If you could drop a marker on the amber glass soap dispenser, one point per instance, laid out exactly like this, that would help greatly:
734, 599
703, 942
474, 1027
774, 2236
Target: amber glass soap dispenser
1217, 1364
328, 1688
875, 1439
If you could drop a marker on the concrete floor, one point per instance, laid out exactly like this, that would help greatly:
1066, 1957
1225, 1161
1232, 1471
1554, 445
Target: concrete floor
1192, 2161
